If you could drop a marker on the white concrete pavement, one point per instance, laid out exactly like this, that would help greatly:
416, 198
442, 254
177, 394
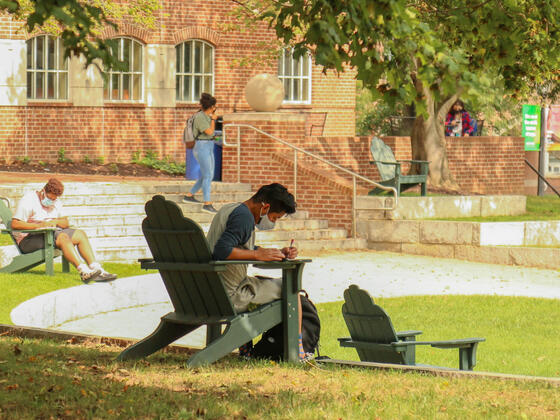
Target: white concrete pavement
131, 307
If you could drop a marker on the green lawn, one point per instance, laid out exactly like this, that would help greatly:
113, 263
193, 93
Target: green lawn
46, 379
522, 334
19, 287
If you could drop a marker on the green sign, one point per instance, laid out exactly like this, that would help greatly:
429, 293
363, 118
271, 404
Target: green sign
531, 127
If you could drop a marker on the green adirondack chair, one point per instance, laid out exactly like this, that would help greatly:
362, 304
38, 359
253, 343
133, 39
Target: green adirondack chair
390, 169
193, 281
24, 262
375, 340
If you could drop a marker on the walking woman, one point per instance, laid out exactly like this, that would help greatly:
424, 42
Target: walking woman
204, 125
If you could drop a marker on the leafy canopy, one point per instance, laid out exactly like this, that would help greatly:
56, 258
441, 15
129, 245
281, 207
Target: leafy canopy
79, 23
409, 50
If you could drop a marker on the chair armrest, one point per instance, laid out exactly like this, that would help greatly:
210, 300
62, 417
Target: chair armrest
38, 230
149, 263
412, 333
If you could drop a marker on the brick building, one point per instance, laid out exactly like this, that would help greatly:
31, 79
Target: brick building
47, 104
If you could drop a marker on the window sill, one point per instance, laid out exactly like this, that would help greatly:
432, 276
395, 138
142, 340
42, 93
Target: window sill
124, 105
49, 102
296, 106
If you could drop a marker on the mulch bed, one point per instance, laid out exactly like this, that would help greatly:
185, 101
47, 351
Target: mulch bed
82, 168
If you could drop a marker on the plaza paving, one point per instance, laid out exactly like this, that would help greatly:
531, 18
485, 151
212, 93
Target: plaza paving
381, 273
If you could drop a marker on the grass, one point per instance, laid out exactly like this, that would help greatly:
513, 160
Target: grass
522, 334
44, 379
19, 287
516, 344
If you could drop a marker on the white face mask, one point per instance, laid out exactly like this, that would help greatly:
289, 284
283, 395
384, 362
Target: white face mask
265, 223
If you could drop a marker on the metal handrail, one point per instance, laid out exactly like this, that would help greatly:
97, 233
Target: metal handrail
297, 149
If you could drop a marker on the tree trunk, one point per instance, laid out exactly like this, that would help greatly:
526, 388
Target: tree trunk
428, 143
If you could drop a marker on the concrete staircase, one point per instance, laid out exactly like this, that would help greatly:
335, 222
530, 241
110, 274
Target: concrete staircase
111, 214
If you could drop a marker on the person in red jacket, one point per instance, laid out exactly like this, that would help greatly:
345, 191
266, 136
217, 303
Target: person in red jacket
458, 122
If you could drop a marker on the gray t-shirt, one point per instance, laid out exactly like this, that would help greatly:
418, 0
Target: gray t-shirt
201, 123
232, 227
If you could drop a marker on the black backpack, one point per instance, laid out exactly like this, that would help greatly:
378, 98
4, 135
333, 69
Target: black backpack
271, 345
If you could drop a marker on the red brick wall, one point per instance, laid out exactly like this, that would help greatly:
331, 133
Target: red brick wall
39, 130
488, 165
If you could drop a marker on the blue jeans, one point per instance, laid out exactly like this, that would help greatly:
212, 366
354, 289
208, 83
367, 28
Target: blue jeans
204, 154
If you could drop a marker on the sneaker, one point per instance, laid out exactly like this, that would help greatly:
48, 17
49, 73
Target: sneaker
104, 277
209, 208
306, 358
88, 276
190, 199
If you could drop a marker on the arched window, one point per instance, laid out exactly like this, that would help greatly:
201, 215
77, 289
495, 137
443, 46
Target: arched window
47, 69
194, 70
296, 76
126, 85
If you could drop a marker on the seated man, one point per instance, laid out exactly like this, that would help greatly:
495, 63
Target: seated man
232, 237
39, 209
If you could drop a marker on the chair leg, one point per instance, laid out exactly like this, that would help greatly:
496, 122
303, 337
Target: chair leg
165, 334
242, 329
65, 265
467, 357
423, 189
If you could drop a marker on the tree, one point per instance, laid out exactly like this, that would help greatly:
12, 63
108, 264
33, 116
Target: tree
428, 53
79, 23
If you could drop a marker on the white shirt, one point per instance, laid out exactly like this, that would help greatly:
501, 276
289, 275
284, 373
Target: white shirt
31, 210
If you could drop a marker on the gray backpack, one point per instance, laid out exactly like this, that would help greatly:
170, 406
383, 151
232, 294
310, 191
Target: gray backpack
189, 138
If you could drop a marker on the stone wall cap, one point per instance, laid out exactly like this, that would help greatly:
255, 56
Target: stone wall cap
263, 116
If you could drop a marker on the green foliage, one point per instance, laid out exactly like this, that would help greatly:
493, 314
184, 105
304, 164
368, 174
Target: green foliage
424, 52
114, 168
24, 159
87, 159
100, 160
79, 23
62, 156
42, 163
379, 118
151, 160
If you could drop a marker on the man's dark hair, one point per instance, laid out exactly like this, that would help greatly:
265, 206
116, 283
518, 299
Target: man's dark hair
54, 186
278, 196
207, 101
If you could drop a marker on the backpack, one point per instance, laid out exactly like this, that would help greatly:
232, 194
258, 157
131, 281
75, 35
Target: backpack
189, 138
271, 345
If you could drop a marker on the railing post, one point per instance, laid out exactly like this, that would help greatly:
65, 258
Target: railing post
238, 155
354, 233
295, 174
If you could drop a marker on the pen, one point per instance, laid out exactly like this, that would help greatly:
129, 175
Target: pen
292, 243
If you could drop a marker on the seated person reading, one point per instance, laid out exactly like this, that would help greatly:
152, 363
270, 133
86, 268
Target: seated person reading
40, 209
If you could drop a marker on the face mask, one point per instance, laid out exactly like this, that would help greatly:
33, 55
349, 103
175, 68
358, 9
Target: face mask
265, 223
46, 201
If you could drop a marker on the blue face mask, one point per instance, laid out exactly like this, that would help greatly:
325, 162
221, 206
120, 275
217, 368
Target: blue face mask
47, 202
265, 223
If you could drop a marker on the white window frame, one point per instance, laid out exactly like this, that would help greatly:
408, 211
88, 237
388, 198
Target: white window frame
108, 90
58, 72
183, 77
296, 76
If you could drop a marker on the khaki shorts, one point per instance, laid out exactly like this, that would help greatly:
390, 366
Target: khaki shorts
256, 290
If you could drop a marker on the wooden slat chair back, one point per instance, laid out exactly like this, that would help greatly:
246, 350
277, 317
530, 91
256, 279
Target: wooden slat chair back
390, 169
373, 336
193, 280
173, 238
23, 262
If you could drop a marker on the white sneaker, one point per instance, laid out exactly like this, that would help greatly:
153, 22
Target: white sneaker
102, 276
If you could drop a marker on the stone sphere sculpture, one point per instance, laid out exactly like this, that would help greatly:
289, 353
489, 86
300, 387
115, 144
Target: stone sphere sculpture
264, 93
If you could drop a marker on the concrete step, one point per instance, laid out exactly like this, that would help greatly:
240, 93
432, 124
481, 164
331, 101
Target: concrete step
130, 236
79, 189
132, 253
